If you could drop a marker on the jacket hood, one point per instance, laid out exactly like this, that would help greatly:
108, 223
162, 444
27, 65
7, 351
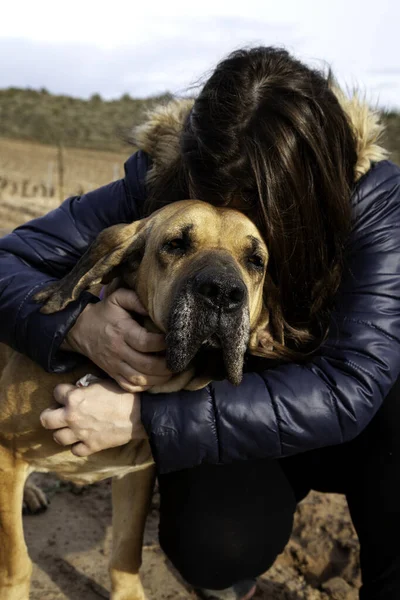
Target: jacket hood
159, 134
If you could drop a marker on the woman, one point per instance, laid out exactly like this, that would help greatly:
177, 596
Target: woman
273, 138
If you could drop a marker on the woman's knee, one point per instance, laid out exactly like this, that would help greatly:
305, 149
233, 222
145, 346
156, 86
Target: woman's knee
222, 524
218, 558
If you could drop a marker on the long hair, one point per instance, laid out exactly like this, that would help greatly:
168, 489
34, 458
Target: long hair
267, 134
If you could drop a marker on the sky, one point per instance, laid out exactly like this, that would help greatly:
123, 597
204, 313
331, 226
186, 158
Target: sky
144, 48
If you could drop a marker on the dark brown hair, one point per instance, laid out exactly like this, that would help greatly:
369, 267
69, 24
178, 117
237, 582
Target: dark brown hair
268, 131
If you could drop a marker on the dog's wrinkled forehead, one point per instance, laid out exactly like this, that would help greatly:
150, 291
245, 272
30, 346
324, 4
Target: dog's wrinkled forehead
206, 226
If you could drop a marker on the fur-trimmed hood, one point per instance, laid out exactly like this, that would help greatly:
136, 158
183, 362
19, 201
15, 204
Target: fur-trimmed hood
159, 134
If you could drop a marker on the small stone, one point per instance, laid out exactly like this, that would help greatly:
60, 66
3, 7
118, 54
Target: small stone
339, 589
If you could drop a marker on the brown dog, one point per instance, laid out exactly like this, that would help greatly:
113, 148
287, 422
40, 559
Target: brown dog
200, 272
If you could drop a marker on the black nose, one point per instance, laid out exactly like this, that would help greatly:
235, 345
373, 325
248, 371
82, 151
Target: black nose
220, 290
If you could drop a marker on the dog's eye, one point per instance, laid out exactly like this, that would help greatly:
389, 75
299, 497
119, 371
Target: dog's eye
256, 261
176, 246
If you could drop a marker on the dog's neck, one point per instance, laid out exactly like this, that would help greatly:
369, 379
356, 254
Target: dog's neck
150, 326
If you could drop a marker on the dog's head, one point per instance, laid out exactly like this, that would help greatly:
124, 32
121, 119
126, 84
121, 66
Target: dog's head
200, 272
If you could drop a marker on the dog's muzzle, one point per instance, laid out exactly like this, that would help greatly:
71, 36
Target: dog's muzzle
220, 291
210, 310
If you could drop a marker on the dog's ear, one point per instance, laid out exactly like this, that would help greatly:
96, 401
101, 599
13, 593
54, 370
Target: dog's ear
112, 247
270, 326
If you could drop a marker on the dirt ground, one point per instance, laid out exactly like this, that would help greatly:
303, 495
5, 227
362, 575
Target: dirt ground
70, 545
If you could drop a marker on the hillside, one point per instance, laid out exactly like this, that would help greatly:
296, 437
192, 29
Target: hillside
38, 116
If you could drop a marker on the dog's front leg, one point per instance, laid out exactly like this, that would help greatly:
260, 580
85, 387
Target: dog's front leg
131, 496
15, 565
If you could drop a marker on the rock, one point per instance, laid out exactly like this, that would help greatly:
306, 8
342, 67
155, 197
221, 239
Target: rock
338, 589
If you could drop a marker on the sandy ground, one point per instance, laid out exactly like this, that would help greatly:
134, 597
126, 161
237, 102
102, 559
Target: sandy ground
70, 545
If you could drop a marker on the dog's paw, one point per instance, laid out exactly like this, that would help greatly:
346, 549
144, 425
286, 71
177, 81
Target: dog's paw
35, 501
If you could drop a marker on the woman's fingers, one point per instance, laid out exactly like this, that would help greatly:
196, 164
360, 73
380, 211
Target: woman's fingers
65, 437
53, 418
138, 338
63, 391
147, 364
57, 417
80, 449
129, 387
140, 379
128, 300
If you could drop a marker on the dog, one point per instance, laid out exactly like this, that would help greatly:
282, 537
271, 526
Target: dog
201, 273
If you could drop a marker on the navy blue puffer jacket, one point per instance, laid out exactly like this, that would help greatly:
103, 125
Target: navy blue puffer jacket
283, 411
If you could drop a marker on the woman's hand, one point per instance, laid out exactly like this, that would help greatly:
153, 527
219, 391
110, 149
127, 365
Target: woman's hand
107, 333
94, 418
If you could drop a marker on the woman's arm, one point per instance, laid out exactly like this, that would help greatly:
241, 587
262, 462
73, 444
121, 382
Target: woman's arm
329, 400
45, 249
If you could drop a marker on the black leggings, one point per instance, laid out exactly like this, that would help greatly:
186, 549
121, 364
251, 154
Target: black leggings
222, 524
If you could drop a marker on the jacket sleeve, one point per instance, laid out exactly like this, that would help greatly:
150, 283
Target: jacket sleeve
44, 250
293, 408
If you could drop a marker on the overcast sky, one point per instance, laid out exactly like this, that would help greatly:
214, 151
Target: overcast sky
143, 48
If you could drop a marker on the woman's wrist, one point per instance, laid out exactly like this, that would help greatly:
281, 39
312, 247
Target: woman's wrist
70, 343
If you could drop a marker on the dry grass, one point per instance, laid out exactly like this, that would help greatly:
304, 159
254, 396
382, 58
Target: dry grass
29, 184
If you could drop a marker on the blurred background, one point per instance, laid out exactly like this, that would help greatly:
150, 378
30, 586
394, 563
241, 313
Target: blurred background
73, 77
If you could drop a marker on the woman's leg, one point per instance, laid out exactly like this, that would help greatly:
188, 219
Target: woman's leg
374, 500
223, 524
